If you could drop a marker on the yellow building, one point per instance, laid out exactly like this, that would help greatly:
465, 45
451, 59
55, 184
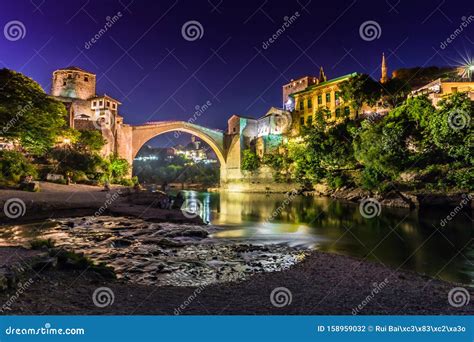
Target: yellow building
439, 89
320, 96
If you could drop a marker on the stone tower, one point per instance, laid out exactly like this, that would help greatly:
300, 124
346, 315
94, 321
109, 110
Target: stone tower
73, 82
384, 77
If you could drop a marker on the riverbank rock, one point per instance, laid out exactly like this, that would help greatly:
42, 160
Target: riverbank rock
443, 199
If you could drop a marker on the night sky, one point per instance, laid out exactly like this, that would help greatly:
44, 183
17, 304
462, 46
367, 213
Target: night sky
144, 61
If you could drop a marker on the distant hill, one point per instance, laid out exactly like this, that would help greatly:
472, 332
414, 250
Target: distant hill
419, 76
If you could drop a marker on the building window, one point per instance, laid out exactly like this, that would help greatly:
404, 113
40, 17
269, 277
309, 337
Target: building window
310, 104
94, 103
301, 105
454, 89
302, 121
64, 83
336, 95
328, 114
338, 112
234, 129
108, 103
328, 97
309, 120
347, 111
86, 79
69, 76
320, 99
100, 103
114, 105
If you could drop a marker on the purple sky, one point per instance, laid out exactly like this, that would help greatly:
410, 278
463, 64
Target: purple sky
144, 61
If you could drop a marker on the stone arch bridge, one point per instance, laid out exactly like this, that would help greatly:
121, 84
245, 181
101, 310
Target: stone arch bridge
130, 139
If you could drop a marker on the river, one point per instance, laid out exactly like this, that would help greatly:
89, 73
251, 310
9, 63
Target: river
399, 238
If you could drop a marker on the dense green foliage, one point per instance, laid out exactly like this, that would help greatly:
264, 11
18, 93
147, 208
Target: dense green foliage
250, 161
14, 165
28, 114
434, 145
360, 89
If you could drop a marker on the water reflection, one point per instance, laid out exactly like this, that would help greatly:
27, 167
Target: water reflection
397, 238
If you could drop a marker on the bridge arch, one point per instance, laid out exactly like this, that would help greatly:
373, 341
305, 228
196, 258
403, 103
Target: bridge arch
215, 139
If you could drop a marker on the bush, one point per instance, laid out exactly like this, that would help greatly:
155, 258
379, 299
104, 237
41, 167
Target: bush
14, 165
372, 179
80, 177
462, 179
250, 161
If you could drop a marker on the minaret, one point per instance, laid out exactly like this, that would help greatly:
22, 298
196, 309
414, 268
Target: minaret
384, 77
322, 76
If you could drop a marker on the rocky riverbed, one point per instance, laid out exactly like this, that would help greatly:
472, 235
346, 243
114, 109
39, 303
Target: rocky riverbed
157, 254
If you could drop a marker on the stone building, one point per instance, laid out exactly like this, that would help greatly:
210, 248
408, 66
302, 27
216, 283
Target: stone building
87, 110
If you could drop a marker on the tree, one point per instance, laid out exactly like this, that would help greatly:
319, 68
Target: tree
90, 140
27, 113
450, 128
118, 167
358, 90
395, 91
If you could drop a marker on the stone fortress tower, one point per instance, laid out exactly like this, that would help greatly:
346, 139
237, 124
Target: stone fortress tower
76, 89
73, 82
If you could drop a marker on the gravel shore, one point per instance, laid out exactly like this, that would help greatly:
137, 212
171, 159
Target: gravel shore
323, 284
